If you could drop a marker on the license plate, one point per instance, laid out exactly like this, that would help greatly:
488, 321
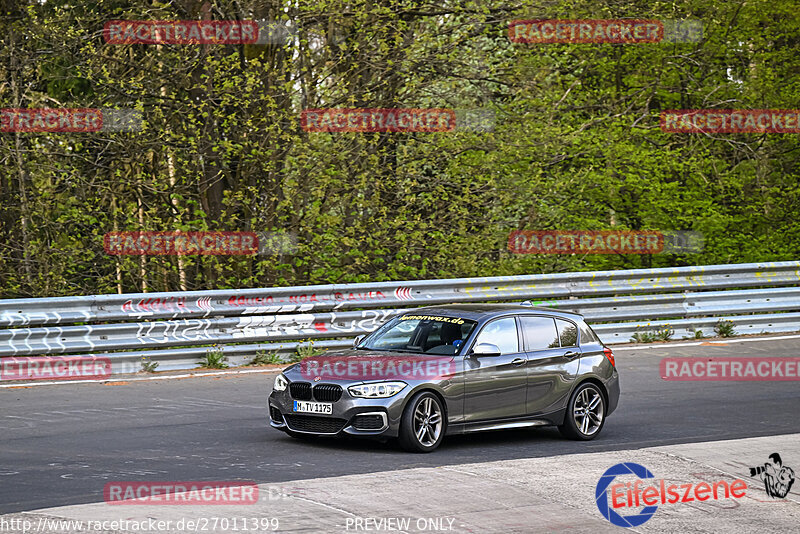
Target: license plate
313, 407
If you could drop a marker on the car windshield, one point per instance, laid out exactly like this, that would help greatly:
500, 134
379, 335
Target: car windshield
429, 334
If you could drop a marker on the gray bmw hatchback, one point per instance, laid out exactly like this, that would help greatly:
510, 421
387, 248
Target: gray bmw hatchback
446, 370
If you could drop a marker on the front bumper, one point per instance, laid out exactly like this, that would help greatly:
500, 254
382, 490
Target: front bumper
348, 417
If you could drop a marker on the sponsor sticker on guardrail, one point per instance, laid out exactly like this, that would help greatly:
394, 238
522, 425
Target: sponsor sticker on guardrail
733, 369
337, 297
54, 368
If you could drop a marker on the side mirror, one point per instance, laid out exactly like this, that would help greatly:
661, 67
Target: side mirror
358, 340
486, 349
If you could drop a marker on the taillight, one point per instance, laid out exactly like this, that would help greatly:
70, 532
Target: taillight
609, 355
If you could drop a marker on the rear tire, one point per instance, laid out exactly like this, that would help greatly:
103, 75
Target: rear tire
423, 423
586, 413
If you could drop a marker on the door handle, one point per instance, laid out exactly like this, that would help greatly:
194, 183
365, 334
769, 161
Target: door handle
518, 361
571, 354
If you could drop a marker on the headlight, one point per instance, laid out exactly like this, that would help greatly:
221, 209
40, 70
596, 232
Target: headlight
378, 390
280, 383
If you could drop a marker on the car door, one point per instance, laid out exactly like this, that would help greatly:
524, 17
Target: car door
553, 357
495, 385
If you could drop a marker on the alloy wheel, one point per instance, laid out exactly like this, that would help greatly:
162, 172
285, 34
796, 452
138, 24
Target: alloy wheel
427, 422
588, 411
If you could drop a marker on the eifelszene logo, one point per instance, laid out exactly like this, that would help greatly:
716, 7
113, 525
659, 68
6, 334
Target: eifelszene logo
633, 495
601, 495
778, 478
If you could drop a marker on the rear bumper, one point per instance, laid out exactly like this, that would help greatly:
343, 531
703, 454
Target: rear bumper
612, 386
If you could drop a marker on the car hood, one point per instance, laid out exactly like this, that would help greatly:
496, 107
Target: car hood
355, 366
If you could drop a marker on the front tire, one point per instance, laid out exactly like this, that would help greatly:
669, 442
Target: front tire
423, 423
586, 413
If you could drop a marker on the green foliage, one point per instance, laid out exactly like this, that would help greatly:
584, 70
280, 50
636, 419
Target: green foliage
650, 337
263, 357
643, 337
214, 359
665, 334
725, 328
698, 334
305, 350
147, 365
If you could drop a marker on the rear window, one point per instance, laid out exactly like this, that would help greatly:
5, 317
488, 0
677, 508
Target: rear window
567, 332
540, 332
588, 335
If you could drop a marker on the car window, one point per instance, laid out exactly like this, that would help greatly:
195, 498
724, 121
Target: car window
567, 332
423, 333
434, 336
588, 335
398, 337
447, 338
503, 333
540, 332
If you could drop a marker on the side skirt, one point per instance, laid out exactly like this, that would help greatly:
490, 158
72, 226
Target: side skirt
554, 418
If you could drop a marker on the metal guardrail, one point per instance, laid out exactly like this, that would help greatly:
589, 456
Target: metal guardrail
169, 327
203, 304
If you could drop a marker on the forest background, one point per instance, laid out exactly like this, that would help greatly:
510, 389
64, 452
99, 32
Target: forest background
576, 142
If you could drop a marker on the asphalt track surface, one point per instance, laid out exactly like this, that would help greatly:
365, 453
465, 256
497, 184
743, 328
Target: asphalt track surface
60, 445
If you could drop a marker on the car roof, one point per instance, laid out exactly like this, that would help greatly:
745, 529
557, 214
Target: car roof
476, 312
